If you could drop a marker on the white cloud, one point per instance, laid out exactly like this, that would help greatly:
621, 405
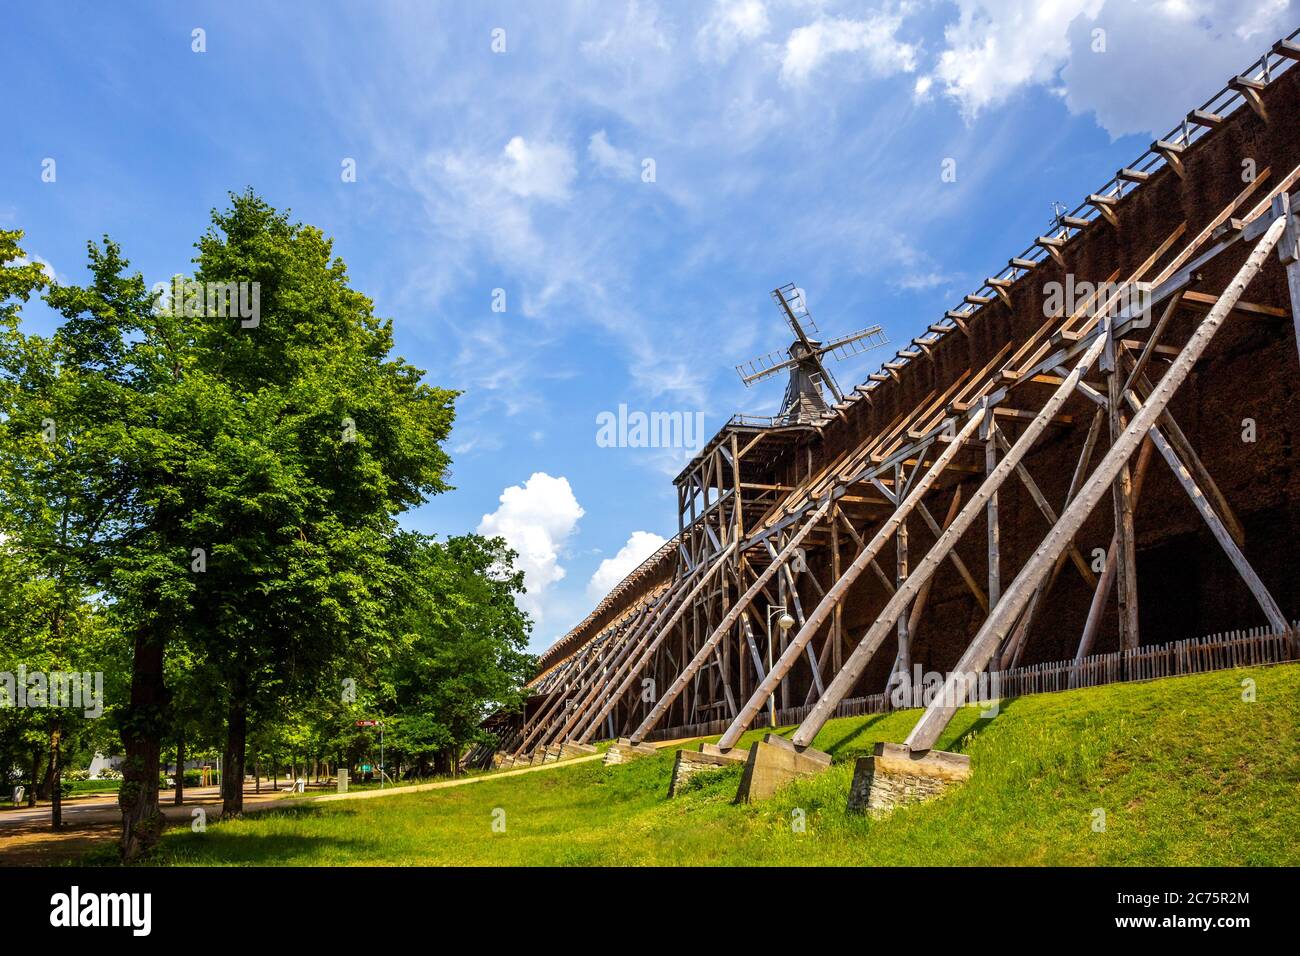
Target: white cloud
536, 519
609, 158
640, 545
541, 170
1175, 52
875, 37
997, 46
731, 24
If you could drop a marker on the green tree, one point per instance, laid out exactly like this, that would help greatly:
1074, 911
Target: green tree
461, 653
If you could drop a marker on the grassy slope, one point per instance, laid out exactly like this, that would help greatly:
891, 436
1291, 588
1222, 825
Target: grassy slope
1186, 772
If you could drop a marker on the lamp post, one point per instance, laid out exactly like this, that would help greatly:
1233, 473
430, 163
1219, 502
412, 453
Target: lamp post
784, 622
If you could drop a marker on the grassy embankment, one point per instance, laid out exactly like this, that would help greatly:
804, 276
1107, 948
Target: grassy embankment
1185, 771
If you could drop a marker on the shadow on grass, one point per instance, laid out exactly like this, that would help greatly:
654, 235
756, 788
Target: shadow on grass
838, 747
223, 847
966, 736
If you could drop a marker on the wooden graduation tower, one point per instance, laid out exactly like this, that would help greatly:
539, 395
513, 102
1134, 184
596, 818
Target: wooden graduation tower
1034, 479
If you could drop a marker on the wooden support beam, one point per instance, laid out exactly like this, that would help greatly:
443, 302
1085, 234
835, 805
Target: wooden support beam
718, 633
1274, 614
994, 550
1048, 512
841, 587
1122, 498
862, 654
644, 656
1172, 154
1249, 90
1288, 251
980, 597
900, 575
1005, 613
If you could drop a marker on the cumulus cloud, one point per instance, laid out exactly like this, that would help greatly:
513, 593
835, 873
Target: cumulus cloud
995, 47
1097, 53
541, 170
1212, 40
537, 519
640, 545
874, 38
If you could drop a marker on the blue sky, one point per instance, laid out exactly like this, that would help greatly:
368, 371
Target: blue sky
790, 140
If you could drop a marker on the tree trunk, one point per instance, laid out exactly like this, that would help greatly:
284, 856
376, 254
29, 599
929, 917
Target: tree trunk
257, 776
36, 772
232, 776
47, 778
56, 773
142, 822
179, 798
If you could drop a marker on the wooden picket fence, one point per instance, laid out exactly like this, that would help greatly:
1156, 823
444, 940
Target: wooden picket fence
1197, 655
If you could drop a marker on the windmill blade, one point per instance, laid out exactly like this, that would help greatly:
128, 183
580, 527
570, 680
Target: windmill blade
857, 343
764, 366
790, 301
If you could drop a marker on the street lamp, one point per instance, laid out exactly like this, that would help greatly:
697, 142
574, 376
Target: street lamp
784, 622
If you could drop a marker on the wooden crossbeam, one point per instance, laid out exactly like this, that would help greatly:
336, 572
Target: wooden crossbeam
1008, 610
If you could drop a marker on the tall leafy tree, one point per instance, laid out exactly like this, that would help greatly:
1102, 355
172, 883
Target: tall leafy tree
461, 652
320, 438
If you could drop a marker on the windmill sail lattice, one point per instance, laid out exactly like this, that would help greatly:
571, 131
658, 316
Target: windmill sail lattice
805, 399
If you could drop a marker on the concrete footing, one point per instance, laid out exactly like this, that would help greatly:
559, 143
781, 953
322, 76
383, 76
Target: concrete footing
572, 749
552, 754
773, 762
708, 757
623, 750
895, 775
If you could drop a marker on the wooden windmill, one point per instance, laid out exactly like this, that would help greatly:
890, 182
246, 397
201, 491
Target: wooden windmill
804, 399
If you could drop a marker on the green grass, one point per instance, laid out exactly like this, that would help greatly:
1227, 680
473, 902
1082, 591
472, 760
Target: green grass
1185, 770
95, 786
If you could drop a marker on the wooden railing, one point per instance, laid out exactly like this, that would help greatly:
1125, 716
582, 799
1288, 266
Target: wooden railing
1197, 655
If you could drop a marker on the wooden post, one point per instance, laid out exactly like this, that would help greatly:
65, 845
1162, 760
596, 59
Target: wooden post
1289, 252
1005, 613
904, 661
994, 532
836, 594
862, 654
1122, 500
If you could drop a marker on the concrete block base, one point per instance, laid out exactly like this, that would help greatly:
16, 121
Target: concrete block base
691, 762
773, 762
538, 757
623, 750
894, 776
552, 754
571, 749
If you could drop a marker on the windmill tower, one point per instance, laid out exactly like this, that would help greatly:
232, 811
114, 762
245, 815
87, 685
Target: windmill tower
805, 401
